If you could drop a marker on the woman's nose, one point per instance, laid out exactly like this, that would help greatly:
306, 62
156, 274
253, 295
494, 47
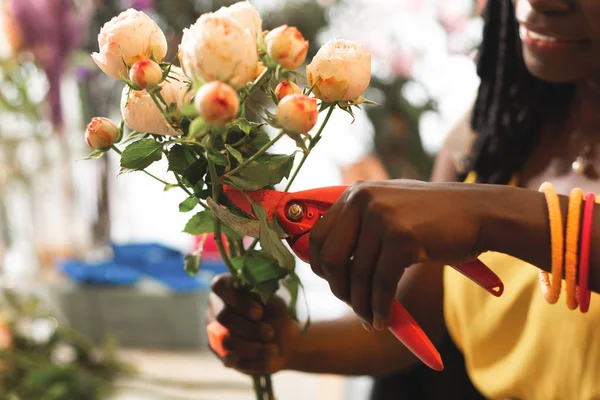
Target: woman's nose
550, 6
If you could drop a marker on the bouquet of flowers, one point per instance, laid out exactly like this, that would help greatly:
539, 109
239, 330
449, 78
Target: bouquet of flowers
196, 116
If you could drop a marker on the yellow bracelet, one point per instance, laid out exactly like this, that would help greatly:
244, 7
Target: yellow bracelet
572, 246
551, 291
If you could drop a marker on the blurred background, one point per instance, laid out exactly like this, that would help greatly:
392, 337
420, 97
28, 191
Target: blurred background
99, 256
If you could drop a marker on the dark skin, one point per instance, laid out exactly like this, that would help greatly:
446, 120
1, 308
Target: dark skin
378, 229
376, 233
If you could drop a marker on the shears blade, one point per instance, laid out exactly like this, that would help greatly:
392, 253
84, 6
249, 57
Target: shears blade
245, 226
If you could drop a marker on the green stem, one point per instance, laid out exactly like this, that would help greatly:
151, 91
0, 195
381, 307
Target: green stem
156, 101
254, 156
313, 142
254, 85
143, 170
217, 232
269, 387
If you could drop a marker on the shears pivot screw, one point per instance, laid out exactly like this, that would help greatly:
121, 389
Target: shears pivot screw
295, 212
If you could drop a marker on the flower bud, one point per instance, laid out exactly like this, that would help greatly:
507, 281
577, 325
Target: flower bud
286, 46
101, 133
285, 88
146, 74
297, 113
217, 103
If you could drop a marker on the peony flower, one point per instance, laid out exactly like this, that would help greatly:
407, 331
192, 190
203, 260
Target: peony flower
245, 14
142, 115
146, 74
341, 70
285, 87
297, 113
129, 37
286, 46
217, 103
101, 133
217, 47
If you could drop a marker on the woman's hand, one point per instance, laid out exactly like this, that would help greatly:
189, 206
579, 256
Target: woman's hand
261, 339
377, 229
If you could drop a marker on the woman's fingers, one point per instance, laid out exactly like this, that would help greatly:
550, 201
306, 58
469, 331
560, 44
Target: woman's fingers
362, 270
243, 327
241, 301
397, 253
245, 349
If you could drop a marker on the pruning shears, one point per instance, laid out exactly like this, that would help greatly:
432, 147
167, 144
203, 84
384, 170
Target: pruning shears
297, 213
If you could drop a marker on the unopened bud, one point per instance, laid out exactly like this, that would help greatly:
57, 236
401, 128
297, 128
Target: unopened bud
146, 74
101, 133
217, 103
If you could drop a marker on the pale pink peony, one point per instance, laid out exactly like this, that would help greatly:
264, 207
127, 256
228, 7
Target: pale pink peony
340, 71
218, 48
129, 37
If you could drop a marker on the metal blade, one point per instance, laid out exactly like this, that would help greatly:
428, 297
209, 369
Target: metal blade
245, 226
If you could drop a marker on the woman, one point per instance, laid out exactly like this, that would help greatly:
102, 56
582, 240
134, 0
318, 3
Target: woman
536, 118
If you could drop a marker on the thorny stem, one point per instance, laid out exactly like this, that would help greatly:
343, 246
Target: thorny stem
254, 156
313, 142
143, 170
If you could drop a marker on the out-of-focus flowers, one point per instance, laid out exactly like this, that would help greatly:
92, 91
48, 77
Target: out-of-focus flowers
49, 30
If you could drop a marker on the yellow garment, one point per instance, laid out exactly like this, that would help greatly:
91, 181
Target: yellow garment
518, 346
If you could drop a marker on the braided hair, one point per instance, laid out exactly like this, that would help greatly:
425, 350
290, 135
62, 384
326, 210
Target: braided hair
511, 103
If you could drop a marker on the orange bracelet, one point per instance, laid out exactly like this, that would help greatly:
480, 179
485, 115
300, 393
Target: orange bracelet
551, 291
572, 246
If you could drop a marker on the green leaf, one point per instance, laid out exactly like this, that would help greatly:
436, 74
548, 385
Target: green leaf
269, 239
268, 170
179, 159
188, 204
266, 290
292, 284
200, 223
141, 154
235, 153
204, 222
299, 142
94, 154
169, 187
133, 136
244, 126
217, 157
242, 184
189, 111
192, 262
261, 139
198, 128
258, 267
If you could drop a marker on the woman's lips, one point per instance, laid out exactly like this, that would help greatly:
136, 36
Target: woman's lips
545, 42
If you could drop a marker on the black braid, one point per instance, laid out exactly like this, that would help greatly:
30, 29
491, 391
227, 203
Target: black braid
510, 103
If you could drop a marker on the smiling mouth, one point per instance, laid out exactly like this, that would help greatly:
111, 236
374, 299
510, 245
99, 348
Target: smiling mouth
528, 35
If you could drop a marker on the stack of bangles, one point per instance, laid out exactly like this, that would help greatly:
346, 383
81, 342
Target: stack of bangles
572, 250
